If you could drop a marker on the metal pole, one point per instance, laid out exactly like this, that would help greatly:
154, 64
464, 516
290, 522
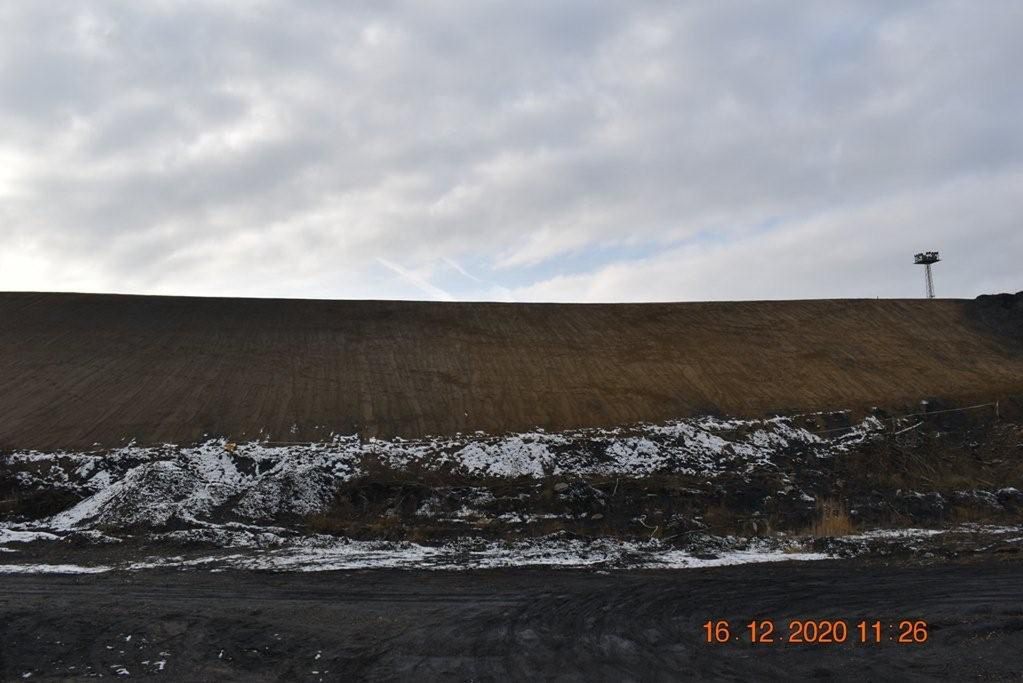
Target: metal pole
930, 282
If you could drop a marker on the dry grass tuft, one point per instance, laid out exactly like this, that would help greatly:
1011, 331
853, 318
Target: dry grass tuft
832, 519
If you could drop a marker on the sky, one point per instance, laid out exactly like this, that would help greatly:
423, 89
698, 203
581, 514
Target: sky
511, 151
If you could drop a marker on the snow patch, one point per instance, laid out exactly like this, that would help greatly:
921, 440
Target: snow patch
50, 569
15, 536
167, 486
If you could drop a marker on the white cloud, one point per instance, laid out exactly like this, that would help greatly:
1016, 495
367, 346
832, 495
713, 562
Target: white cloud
290, 149
861, 251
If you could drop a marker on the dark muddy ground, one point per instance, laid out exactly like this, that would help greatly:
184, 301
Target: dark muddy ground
510, 624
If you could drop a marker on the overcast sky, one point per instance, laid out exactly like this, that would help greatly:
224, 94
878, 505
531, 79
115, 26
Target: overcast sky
551, 151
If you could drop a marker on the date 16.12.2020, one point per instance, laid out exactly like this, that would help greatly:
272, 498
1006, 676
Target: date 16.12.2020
817, 632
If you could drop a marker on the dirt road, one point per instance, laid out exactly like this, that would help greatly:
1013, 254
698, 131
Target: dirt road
509, 625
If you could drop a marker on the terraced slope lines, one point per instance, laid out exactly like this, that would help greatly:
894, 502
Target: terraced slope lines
83, 369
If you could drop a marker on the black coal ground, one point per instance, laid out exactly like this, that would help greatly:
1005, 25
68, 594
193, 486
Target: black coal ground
508, 624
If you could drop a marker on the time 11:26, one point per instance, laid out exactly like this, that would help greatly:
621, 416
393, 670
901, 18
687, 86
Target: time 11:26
819, 632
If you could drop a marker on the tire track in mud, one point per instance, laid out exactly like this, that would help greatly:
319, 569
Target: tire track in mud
509, 624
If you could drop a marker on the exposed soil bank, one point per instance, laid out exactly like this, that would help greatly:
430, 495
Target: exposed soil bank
77, 369
675, 482
508, 625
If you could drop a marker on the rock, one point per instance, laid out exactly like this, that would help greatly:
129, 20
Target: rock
919, 505
977, 499
560, 487
1010, 497
596, 517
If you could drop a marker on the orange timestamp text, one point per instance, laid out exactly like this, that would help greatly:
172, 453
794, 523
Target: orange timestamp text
817, 632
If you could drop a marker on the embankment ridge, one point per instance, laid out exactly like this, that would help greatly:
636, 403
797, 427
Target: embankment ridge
83, 369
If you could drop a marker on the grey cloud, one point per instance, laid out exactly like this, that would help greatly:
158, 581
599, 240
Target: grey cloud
861, 251
296, 146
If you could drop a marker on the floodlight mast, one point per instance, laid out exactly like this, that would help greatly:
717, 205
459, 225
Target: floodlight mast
927, 259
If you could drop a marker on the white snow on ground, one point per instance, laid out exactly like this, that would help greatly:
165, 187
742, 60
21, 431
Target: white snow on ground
896, 534
679, 559
198, 487
50, 569
331, 554
152, 486
905, 534
16, 536
249, 549
327, 553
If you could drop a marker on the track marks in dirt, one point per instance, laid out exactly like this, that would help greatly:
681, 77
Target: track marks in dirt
380, 625
82, 368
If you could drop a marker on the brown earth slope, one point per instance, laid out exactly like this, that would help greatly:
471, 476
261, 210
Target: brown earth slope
78, 369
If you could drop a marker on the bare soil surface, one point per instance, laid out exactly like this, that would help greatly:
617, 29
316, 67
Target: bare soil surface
80, 369
510, 624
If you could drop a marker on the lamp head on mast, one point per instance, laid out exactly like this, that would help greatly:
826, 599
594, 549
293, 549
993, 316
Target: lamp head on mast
927, 259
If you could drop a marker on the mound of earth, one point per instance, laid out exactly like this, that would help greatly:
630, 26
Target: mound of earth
84, 369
